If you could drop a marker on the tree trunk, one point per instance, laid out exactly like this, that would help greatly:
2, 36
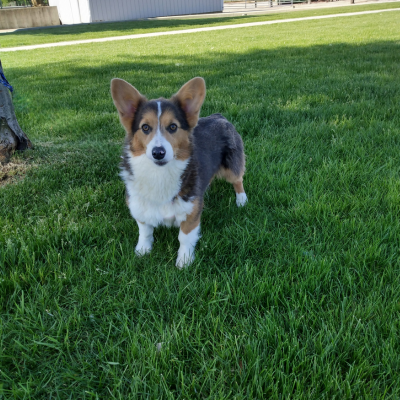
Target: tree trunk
37, 3
12, 137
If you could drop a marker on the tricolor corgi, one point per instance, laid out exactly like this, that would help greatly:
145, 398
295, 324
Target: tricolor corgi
170, 158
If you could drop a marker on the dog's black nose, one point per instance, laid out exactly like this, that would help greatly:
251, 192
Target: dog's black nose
158, 153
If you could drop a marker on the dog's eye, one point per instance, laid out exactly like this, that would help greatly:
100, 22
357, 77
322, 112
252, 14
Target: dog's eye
146, 128
173, 128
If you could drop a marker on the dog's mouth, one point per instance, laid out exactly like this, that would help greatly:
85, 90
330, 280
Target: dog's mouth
160, 163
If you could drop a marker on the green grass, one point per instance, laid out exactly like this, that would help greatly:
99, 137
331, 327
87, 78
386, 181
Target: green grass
25, 37
297, 295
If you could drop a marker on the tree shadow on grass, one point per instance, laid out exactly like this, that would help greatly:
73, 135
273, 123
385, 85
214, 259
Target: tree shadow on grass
256, 89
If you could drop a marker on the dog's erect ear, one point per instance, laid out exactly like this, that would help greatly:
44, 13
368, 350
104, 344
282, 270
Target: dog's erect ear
190, 97
126, 99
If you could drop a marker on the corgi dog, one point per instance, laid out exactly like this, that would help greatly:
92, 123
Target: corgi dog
170, 157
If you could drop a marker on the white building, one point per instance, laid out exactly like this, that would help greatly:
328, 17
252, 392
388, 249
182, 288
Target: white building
79, 11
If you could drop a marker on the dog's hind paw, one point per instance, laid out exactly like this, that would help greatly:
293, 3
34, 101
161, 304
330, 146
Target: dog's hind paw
241, 199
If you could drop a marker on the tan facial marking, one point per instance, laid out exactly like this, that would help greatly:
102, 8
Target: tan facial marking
139, 141
193, 219
179, 140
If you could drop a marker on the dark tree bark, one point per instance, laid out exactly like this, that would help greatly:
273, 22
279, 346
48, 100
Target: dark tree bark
12, 137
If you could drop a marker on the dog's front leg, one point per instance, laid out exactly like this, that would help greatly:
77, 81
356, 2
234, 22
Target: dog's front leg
189, 235
145, 242
186, 249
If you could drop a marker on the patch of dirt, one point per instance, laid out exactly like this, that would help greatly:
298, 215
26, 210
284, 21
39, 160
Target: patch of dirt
15, 170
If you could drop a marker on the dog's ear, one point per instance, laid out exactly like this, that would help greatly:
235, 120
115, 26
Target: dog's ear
127, 100
190, 98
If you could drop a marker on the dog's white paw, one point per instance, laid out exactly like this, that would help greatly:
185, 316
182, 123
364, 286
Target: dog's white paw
143, 247
241, 199
185, 258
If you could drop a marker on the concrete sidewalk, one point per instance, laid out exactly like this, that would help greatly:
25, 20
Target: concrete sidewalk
194, 30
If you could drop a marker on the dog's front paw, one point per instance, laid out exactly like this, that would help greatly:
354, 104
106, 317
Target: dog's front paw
185, 258
143, 247
241, 199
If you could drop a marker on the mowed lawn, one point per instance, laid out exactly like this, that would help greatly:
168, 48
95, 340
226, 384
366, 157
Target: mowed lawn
23, 37
297, 295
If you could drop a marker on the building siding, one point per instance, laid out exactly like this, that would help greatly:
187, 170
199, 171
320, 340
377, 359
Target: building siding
72, 11
80, 11
120, 10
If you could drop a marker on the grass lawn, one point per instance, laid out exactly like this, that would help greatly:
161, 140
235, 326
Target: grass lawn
297, 295
98, 30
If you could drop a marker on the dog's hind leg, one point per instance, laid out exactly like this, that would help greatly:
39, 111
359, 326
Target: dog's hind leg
233, 162
237, 182
241, 197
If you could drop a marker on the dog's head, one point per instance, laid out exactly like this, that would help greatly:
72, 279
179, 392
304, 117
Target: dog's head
159, 128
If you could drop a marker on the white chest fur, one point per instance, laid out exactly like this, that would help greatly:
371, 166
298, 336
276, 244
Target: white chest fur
152, 191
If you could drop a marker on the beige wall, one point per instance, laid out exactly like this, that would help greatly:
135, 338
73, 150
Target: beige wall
28, 17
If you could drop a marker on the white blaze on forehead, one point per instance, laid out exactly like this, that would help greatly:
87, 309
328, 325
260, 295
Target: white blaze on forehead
159, 140
159, 111
158, 133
